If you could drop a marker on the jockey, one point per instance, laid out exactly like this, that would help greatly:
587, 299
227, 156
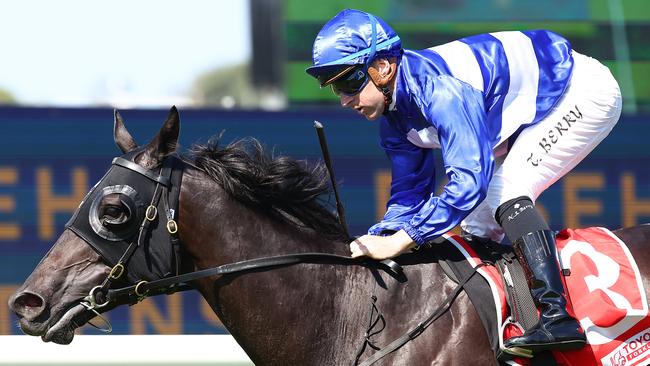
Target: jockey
512, 112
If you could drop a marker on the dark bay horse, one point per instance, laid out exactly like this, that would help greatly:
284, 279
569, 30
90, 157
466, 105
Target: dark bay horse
237, 203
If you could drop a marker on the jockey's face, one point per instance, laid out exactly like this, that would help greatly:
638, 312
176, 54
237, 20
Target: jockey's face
369, 101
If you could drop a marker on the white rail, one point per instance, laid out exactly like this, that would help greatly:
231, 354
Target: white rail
124, 349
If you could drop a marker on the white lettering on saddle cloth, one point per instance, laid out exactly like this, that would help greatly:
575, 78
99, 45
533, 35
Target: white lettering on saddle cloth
633, 349
605, 285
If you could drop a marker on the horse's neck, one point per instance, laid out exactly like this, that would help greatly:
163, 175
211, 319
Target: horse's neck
303, 314
215, 229
247, 232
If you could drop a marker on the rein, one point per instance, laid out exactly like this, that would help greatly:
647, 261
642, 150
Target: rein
177, 283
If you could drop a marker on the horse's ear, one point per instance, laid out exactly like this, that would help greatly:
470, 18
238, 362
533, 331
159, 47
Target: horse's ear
122, 137
164, 143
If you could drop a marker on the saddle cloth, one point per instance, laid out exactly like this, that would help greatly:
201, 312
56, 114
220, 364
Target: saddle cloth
605, 293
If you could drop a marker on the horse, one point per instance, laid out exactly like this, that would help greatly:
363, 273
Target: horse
237, 204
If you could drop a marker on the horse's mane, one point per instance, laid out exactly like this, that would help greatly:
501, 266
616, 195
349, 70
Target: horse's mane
286, 188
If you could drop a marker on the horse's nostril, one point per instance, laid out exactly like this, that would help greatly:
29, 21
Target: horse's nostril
29, 300
28, 305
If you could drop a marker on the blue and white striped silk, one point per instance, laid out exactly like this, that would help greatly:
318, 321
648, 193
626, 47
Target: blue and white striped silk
466, 97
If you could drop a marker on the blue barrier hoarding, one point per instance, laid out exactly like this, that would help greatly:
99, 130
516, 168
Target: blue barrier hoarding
49, 159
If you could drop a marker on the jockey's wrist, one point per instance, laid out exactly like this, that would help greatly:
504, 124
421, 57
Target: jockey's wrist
403, 240
413, 234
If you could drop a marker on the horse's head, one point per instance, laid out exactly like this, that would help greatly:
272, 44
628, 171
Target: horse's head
116, 235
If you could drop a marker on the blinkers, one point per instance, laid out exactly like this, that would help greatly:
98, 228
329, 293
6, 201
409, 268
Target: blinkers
119, 217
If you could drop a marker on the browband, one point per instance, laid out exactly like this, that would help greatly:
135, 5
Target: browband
143, 171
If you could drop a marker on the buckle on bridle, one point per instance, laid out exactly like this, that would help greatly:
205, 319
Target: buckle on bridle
151, 213
172, 227
116, 272
137, 290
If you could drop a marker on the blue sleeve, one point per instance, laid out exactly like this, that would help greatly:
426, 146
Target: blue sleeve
457, 112
413, 178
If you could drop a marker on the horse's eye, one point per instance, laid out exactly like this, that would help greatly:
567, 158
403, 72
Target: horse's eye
114, 214
112, 211
115, 211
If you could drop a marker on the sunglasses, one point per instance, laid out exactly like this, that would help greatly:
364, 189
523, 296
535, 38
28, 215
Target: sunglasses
351, 82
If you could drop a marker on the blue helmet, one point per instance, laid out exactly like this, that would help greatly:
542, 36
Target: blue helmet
352, 37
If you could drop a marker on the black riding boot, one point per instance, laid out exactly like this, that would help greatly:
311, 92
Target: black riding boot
556, 329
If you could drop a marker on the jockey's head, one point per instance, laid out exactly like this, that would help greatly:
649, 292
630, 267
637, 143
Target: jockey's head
345, 48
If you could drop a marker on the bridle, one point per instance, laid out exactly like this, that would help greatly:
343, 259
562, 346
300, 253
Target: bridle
167, 180
164, 197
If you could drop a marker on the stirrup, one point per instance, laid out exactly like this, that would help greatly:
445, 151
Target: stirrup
518, 351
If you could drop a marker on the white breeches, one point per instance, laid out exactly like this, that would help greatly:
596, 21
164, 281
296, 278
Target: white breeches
546, 151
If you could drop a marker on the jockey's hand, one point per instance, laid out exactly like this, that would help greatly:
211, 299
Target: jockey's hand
381, 247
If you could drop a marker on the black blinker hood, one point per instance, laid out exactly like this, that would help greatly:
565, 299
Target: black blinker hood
136, 187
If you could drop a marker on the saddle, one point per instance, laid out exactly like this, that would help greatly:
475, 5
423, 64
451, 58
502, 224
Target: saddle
521, 311
507, 275
600, 275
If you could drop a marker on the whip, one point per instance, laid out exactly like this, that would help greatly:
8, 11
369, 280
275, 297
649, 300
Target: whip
328, 163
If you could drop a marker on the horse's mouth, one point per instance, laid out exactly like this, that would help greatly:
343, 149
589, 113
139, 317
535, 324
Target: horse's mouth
62, 331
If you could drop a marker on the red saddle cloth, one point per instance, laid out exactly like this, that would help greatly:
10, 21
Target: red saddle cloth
606, 295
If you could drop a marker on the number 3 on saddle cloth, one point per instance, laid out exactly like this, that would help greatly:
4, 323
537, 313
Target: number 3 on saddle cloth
605, 292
